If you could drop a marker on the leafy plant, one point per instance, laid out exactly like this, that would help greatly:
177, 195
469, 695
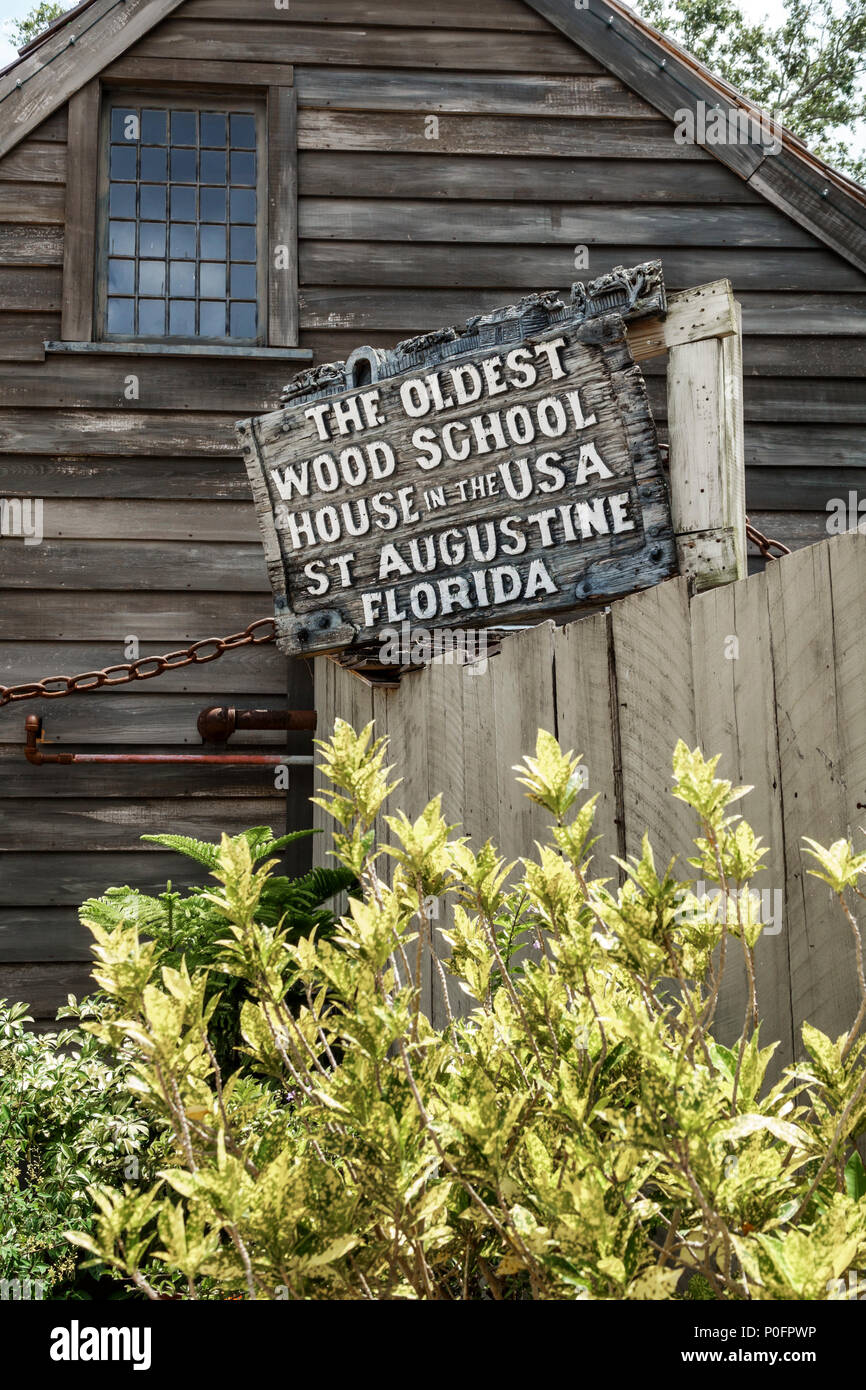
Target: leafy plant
187, 927
577, 1133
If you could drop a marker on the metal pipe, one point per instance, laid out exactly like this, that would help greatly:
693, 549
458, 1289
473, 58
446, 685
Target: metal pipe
35, 754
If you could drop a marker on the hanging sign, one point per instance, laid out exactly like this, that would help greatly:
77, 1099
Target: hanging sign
507, 472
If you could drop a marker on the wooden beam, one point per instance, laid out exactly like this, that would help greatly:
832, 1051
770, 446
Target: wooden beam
708, 311
707, 458
200, 72
282, 267
35, 87
80, 233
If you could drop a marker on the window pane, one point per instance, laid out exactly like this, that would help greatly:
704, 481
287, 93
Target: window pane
154, 125
121, 200
121, 315
151, 241
213, 166
213, 205
243, 320
121, 238
212, 319
183, 203
121, 277
182, 318
183, 127
213, 281
243, 205
183, 165
182, 242
151, 318
243, 132
122, 128
151, 277
154, 164
183, 279
243, 167
123, 161
243, 244
243, 282
213, 243
213, 129
151, 201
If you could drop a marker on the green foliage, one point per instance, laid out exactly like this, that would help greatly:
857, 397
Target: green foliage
67, 1120
577, 1133
23, 31
190, 928
808, 70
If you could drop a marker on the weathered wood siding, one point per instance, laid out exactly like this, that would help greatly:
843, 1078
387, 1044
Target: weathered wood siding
768, 672
149, 528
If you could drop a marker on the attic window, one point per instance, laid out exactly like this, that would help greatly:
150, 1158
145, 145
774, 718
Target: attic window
183, 222
181, 211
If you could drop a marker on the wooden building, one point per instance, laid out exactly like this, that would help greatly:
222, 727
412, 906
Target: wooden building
197, 198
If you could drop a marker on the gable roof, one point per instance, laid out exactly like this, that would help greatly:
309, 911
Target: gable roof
78, 45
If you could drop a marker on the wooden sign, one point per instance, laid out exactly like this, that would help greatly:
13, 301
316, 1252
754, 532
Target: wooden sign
509, 472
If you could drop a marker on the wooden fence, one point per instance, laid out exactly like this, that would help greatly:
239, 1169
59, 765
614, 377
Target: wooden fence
769, 672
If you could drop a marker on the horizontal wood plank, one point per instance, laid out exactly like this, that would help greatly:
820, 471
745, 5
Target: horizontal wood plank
373, 46
130, 782
35, 161
504, 15
30, 288
41, 934
29, 245
134, 715
379, 263
60, 880
94, 827
800, 489
189, 479
22, 336
258, 671
110, 565
170, 618
32, 202
542, 135
223, 384
106, 432
335, 174
491, 223
44, 987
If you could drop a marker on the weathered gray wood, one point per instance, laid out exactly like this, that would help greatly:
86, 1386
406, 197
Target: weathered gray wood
132, 68
149, 521
45, 987
282, 216
92, 826
29, 288
383, 263
169, 618
33, 245
95, 383
655, 707
810, 313
120, 565
542, 134
256, 671
803, 489
334, 174
35, 161
36, 935
595, 362
736, 717
125, 783
506, 15
103, 432
31, 202
134, 715
381, 219
819, 203
22, 336
185, 351
707, 471
46, 86
587, 722
365, 47
182, 479
801, 606
61, 880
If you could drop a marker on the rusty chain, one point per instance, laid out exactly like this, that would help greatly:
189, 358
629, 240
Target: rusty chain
144, 669
764, 544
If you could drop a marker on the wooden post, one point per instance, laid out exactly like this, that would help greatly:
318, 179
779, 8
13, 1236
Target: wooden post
705, 425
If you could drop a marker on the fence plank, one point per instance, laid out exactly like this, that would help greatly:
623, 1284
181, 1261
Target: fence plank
653, 664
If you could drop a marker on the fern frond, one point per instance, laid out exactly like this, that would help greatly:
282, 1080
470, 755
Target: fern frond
200, 850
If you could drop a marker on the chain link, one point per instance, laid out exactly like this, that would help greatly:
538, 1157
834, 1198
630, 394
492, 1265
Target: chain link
146, 668
764, 544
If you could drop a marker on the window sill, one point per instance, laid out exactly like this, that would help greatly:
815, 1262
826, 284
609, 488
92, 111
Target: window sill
112, 349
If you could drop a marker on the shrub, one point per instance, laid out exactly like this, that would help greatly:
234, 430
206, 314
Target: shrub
578, 1133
